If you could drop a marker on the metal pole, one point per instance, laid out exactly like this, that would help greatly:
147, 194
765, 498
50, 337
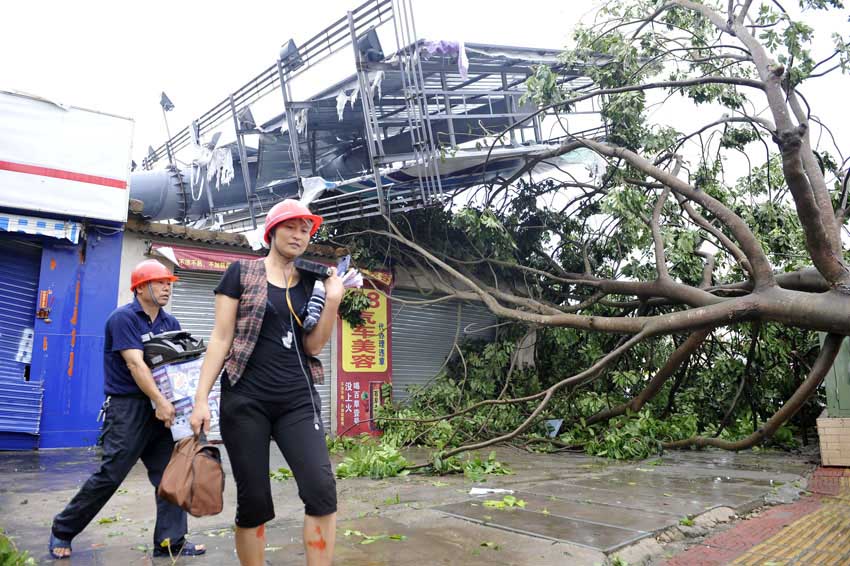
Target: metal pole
448, 101
243, 158
364, 97
177, 172
419, 82
508, 106
538, 131
404, 62
168, 139
290, 121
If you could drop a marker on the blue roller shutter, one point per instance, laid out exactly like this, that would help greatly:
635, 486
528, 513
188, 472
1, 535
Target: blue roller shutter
20, 399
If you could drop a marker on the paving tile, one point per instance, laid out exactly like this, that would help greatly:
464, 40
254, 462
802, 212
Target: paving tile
674, 503
601, 537
631, 519
697, 484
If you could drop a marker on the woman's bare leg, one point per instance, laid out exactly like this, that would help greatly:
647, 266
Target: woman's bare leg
319, 539
251, 546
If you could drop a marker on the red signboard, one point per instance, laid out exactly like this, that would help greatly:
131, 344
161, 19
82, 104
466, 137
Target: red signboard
365, 365
197, 259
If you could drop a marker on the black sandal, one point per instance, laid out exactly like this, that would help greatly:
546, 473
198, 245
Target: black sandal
57, 543
185, 548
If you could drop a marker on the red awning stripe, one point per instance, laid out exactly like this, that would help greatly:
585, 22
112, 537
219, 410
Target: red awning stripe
61, 174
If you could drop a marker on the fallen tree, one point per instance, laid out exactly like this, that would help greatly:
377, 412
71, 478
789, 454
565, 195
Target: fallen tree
657, 248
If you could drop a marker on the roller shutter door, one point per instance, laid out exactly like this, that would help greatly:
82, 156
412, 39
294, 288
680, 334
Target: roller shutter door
193, 303
423, 335
20, 399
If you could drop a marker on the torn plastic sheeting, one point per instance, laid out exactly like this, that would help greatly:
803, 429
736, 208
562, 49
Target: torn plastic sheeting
301, 121
255, 238
538, 58
376, 83
446, 48
219, 167
313, 188
342, 98
168, 253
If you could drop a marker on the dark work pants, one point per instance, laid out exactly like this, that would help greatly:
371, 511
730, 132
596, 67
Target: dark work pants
130, 431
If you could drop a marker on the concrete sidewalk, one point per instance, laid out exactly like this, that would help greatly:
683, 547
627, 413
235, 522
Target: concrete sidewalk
577, 510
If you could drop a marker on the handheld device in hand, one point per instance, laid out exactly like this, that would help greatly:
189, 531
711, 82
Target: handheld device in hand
314, 268
343, 265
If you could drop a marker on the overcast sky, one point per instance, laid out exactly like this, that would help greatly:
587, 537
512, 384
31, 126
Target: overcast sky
107, 56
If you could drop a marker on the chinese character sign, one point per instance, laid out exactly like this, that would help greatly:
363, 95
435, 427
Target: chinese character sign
365, 367
364, 348
197, 259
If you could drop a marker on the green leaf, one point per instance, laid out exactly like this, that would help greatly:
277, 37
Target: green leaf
281, 474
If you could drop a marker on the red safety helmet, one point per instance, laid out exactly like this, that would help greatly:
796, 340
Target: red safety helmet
287, 210
149, 270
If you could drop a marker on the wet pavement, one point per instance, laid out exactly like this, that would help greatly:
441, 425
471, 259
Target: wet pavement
814, 530
575, 509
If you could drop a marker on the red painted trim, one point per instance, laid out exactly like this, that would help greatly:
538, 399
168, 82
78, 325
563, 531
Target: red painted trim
61, 174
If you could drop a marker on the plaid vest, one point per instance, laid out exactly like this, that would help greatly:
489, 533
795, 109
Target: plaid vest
249, 320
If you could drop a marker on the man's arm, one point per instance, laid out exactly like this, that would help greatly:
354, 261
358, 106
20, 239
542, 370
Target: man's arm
144, 379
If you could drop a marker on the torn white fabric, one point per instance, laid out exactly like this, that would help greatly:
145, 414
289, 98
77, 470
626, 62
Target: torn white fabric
210, 165
352, 98
313, 188
301, 121
220, 167
167, 253
376, 83
255, 238
462, 61
341, 100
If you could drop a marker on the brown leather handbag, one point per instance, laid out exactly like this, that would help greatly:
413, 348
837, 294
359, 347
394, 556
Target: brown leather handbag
194, 477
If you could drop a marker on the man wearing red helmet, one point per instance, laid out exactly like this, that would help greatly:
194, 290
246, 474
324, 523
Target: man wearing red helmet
268, 390
132, 429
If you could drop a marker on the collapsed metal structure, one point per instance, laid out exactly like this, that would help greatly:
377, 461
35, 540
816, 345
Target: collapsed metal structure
406, 129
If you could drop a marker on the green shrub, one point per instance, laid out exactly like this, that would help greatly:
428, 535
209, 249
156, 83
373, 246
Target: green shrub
631, 436
374, 461
10, 555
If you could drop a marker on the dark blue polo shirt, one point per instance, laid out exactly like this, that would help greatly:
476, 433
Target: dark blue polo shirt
124, 330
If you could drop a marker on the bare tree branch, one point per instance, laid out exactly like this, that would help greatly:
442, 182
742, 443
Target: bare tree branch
762, 271
822, 365
654, 223
673, 363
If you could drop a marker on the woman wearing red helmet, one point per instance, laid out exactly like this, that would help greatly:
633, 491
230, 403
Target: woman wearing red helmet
267, 388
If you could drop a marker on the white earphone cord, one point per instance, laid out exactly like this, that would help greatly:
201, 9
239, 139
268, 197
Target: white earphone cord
301, 363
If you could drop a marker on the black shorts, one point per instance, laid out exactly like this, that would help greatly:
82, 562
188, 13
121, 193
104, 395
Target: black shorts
247, 425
